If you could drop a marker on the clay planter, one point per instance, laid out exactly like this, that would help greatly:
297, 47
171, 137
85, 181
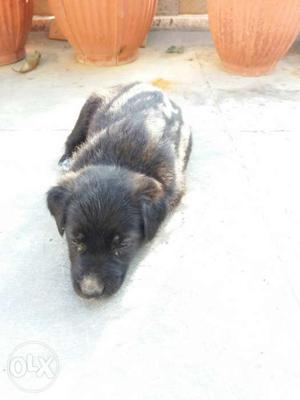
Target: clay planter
15, 23
107, 32
252, 35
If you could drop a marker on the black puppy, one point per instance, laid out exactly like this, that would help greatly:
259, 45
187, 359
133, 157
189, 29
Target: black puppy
127, 155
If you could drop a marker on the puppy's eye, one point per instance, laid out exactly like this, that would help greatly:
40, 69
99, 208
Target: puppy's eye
115, 245
116, 241
81, 248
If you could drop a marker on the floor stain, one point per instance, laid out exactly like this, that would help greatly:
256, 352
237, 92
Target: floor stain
162, 83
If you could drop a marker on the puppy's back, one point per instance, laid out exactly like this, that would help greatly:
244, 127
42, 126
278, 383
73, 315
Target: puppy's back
138, 127
147, 108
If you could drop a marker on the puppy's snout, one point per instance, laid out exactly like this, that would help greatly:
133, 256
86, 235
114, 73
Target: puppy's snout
91, 286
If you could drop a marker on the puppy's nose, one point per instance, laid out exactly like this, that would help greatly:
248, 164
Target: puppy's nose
91, 286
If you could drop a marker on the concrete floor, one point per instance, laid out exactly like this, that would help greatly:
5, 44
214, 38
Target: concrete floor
211, 310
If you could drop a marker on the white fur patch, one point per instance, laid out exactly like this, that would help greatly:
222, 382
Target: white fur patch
65, 165
155, 124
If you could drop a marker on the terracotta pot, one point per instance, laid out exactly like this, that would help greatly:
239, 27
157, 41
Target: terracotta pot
252, 35
15, 23
107, 32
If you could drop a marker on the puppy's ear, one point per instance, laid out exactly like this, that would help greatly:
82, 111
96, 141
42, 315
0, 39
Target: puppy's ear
58, 199
153, 205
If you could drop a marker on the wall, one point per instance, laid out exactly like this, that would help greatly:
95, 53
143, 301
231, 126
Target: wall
165, 7
41, 7
174, 7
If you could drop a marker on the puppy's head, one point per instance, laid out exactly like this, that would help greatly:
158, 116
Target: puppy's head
106, 214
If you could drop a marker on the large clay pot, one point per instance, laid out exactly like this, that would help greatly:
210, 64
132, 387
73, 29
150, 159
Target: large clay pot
107, 32
15, 24
252, 35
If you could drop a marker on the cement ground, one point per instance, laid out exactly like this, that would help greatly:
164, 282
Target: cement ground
211, 309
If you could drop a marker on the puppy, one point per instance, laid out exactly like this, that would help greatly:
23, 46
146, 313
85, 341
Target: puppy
127, 153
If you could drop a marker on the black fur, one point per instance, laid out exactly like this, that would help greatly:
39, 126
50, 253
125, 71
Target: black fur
121, 185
